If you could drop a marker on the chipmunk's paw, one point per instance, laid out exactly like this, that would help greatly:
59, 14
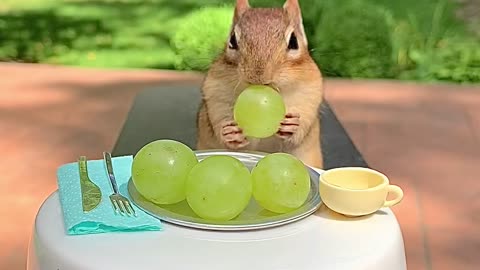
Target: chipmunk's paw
289, 126
232, 136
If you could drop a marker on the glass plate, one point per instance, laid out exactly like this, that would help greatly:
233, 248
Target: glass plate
252, 218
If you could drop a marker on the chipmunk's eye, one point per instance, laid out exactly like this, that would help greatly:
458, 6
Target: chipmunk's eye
293, 42
232, 44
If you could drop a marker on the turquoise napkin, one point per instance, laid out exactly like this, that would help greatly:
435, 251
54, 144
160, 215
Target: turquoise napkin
102, 219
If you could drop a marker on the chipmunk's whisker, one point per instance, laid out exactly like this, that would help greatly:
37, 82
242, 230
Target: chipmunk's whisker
236, 87
275, 86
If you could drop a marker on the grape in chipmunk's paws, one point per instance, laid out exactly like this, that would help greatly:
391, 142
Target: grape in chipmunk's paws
281, 183
289, 125
232, 136
258, 110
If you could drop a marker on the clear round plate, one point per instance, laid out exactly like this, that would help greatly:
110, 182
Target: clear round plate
252, 218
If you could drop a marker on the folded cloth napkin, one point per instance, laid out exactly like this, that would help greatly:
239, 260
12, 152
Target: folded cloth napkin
102, 219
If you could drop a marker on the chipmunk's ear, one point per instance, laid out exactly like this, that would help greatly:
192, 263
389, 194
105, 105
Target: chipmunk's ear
240, 8
293, 9
295, 13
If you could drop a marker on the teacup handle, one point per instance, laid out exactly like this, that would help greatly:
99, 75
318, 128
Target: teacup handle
398, 195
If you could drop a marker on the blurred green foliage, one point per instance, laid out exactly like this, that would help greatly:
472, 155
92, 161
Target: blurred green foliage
93, 33
201, 36
408, 39
359, 46
454, 60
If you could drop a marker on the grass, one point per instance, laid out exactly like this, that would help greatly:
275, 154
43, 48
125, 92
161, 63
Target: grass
138, 33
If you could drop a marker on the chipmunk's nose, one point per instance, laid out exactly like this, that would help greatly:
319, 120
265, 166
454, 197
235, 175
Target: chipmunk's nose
258, 73
260, 82
259, 78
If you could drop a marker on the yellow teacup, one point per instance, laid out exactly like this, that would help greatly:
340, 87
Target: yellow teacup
356, 191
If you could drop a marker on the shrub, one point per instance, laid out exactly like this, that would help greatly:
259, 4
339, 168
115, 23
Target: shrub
438, 50
355, 47
201, 37
36, 36
352, 39
453, 59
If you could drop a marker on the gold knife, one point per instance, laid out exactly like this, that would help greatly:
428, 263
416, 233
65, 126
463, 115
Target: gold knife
91, 194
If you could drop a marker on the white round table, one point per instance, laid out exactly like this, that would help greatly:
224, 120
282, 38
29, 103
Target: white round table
324, 240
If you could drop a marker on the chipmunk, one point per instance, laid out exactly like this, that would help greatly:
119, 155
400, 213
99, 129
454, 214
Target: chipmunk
266, 46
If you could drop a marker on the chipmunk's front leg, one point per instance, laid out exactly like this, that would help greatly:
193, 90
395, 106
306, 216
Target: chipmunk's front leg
232, 136
294, 128
289, 126
225, 129
302, 138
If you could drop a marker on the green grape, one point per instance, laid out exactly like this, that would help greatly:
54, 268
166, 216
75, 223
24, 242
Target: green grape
281, 183
219, 188
160, 169
258, 111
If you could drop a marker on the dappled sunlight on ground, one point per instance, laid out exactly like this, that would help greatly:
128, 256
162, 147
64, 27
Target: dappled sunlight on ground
48, 117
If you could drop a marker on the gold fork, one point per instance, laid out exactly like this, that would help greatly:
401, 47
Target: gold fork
119, 202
